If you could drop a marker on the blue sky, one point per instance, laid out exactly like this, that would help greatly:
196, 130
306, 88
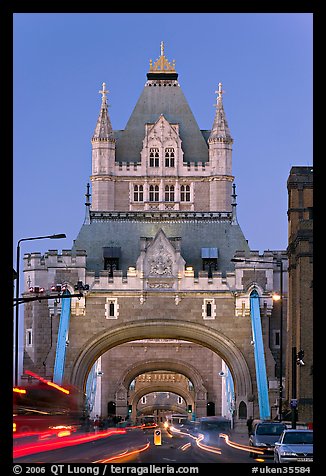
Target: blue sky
264, 61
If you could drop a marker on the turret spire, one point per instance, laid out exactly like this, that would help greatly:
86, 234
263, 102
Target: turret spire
103, 130
87, 220
220, 129
234, 206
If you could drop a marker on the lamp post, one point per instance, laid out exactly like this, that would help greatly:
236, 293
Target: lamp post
275, 298
52, 237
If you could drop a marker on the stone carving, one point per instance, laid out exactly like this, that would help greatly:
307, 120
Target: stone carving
161, 262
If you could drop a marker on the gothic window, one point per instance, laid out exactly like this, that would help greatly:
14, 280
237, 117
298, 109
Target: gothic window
29, 337
154, 158
111, 308
154, 193
169, 193
169, 157
138, 193
185, 193
209, 309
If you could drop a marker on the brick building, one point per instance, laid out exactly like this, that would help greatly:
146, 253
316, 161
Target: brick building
300, 309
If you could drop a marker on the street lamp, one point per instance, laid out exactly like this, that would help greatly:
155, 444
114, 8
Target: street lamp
52, 237
279, 298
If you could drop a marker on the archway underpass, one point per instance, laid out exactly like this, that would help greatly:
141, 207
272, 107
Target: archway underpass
193, 361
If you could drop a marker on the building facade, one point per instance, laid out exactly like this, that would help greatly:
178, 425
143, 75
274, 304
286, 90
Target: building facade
300, 311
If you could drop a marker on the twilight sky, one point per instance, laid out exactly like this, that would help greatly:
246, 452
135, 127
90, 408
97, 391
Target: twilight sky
264, 61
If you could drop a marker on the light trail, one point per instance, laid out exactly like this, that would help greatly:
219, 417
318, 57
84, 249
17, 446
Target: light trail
125, 454
239, 446
211, 449
40, 447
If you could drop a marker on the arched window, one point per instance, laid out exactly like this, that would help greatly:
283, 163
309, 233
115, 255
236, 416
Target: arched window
169, 193
154, 195
169, 157
154, 157
185, 193
242, 410
138, 193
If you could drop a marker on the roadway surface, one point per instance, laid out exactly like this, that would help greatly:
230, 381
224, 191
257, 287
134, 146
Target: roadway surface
132, 446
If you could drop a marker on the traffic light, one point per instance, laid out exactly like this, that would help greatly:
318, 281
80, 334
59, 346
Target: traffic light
189, 408
129, 409
36, 289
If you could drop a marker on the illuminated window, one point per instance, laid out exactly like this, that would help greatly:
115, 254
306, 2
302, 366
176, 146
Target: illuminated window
138, 193
169, 157
154, 158
185, 193
154, 194
169, 193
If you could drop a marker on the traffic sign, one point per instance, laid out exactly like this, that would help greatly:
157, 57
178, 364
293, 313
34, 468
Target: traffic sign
157, 437
294, 403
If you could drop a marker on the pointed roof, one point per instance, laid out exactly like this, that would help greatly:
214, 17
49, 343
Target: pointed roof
162, 94
220, 129
103, 129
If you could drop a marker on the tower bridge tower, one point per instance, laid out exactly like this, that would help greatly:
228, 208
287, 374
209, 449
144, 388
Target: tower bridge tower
156, 250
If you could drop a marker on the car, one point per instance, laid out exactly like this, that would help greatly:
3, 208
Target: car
294, 445
264, 434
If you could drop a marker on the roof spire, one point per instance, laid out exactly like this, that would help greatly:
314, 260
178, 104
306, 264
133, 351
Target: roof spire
234, 206
103, 130
220, 129
87, 220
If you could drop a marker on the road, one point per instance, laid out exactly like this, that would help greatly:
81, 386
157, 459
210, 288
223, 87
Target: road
131, 446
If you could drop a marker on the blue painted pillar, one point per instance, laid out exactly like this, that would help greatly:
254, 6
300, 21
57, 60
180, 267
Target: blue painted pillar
63, 332
261, 374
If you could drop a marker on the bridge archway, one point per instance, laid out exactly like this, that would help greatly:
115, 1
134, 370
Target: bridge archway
166, 329
171, 365
186, 395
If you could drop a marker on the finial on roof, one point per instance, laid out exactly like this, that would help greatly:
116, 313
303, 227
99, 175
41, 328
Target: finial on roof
234, 220
219, 93
87, 219
104, 92
162, 65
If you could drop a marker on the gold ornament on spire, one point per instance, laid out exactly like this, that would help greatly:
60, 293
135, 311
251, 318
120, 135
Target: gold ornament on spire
162, 65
